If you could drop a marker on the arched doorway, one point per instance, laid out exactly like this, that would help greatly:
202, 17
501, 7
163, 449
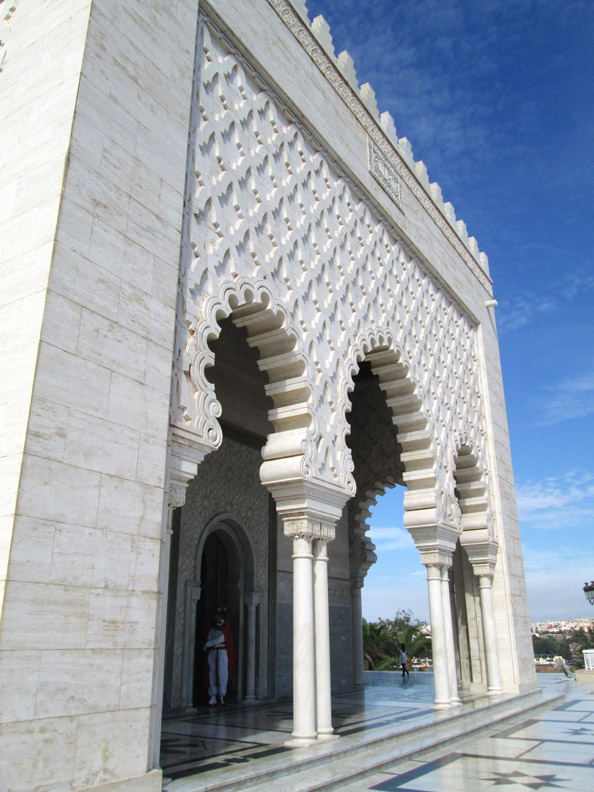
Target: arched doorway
221, 584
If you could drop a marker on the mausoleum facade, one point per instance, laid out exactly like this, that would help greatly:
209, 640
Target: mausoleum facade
236, 312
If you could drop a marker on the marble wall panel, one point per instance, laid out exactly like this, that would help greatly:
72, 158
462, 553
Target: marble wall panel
63, 492
100, 445
136, 678
31, 551
151, 461
83, 280
129, 507
109, 746
121, 620
62, 322
23, 770
91, 494
58, 613
48, 426
134, 405
71, 381
112, 345
74, 682
19, 673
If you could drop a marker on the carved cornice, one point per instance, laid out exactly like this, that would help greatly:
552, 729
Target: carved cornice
332, 73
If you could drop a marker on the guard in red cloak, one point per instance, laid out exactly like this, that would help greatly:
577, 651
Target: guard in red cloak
221, 656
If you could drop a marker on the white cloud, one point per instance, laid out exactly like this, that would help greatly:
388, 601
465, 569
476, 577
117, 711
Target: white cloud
579, 281
391, 538
557, 502
520, 310
572, 398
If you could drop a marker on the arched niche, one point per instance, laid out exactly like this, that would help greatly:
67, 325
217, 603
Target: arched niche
224, 575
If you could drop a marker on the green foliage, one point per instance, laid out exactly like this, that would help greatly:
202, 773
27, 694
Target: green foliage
567, 644
382, 639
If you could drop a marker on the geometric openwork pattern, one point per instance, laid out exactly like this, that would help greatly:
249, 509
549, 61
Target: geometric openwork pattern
279, 238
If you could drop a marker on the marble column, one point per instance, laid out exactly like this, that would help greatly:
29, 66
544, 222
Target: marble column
492, 660
304, 732
438, 637
449, 635
357, 633
322, 634
251, 600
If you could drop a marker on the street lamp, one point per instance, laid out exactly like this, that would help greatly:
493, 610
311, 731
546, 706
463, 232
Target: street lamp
589, 591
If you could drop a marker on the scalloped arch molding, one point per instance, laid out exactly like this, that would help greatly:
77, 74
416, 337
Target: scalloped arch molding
281, 240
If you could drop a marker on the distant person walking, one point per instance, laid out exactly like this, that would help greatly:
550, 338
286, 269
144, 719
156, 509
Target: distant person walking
405, 671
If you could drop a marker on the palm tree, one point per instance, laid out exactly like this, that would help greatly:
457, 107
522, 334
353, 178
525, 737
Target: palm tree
375, 637
382, 639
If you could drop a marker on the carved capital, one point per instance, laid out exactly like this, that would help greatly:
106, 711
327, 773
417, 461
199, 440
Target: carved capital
484, 572
307, 527
299, 528
176, 495
436, 558
252, 598
481, 554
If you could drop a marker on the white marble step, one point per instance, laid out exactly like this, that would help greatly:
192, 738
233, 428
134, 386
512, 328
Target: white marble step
330, 765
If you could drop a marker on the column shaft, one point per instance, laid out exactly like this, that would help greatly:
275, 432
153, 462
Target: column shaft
322, 638
357, 633
493, 675
304, 696
251, 601
449, 635
438, 640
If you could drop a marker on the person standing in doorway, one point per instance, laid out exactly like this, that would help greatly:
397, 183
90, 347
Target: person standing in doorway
405, 671
221, 656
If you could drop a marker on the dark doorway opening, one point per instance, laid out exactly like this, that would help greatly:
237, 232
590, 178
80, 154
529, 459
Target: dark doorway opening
221, 580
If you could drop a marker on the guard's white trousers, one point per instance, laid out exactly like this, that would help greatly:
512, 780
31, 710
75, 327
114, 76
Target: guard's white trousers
217, 665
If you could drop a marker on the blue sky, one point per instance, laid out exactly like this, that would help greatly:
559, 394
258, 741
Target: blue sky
497, 98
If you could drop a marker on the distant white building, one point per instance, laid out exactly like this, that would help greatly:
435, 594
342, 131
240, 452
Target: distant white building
234, 311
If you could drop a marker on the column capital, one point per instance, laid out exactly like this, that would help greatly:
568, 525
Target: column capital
484, 572
252, 598
315, 499
435, 542
304, 526
433, 569
482, 553
436, 557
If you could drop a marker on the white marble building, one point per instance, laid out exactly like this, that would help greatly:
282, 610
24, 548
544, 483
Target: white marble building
233, 311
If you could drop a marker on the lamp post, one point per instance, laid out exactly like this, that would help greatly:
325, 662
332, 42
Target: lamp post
589, 591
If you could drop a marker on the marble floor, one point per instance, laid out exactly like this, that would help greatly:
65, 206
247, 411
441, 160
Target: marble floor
216, 737
550, 749
543, 749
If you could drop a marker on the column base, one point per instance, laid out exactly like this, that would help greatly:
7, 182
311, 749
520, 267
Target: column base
441, 705
301, 742
494, 691
326, 736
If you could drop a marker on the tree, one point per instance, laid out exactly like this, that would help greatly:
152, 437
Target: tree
382, 639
